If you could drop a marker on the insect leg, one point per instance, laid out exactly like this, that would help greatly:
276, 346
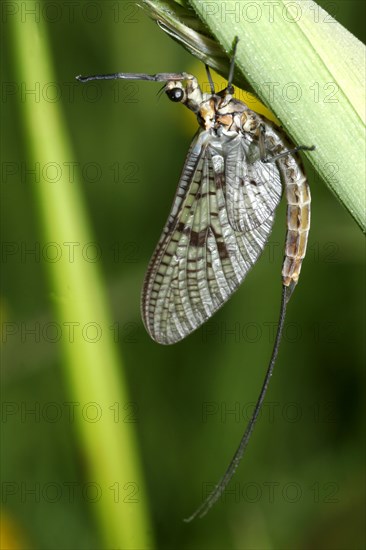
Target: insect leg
228, 92
262, 148
212, 85
229, 87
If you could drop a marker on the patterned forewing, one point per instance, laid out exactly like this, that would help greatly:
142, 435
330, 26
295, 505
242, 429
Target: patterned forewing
253, 188
201, 257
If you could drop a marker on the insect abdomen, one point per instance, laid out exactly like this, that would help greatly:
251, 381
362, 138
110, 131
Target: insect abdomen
298, 223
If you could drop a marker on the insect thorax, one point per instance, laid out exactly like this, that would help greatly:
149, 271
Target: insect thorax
214, 111
224, 113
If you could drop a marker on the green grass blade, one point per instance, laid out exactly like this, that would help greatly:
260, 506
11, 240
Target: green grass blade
305, 66
92, 366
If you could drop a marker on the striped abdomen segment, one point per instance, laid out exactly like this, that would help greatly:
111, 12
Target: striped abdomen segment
298, 218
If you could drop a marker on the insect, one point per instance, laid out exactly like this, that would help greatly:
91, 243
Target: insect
222, 214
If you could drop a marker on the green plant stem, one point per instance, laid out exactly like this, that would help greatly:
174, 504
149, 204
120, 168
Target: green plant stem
92, 366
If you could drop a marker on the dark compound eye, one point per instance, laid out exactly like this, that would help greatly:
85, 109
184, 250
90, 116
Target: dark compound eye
175, 94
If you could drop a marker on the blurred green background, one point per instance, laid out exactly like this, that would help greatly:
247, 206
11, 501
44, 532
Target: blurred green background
301, 484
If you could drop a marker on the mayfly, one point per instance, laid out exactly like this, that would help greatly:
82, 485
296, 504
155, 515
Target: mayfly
222, 215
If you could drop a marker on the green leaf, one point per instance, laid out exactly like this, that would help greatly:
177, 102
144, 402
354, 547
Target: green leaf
305, 66
90, 359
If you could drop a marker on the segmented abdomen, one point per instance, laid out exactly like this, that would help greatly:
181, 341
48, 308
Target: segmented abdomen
298, 225
298, 205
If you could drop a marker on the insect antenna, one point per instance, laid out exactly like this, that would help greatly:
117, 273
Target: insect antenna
222, 484
159, 77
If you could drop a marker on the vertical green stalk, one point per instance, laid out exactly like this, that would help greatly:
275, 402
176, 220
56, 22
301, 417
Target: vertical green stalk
90, 360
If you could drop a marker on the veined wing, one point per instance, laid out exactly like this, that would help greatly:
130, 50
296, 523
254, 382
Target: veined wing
208, 244
253, 188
